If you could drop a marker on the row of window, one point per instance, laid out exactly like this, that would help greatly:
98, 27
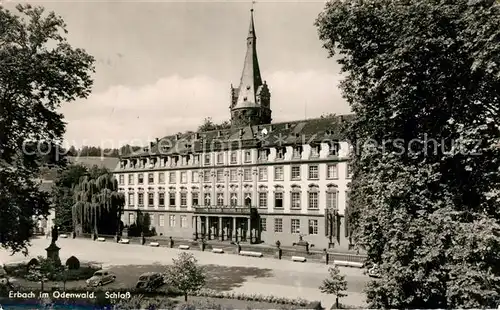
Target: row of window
295, 199
294, 226
194, 159
262, 175
161, 220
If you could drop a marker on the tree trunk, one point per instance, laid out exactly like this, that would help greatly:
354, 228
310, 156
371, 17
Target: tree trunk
336, 302
185, 297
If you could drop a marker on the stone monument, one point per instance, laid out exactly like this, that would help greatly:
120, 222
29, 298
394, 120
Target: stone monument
302, 245
53, 249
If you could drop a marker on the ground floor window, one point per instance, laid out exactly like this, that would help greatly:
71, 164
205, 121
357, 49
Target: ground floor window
278, 225
161, 220
172, 220
313, 227
183, 221
295, 226
131, 218
263, 224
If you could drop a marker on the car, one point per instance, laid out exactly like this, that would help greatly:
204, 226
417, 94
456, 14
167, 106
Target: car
150, 281
101, 277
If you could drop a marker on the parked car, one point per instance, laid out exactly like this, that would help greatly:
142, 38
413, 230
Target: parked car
150, 281
101, 277
374, 272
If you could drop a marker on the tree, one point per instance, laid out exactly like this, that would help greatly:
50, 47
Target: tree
185, 274
46, 270
64, 195
38, 71
335, 284
98, 203
423, 81
209, 125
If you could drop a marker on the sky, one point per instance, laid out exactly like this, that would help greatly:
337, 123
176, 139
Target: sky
162, 67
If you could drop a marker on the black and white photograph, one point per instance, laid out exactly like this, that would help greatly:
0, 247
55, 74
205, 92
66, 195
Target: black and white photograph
182, 154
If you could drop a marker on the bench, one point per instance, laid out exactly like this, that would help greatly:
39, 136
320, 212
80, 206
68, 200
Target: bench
124, 241
101, 239
155, 244
63, 236
219, 251
184, 247
251, 253
348, 264
300, 259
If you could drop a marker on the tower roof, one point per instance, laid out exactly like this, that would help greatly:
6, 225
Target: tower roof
250, 77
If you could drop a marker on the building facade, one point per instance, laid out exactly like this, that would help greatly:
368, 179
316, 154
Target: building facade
256, 182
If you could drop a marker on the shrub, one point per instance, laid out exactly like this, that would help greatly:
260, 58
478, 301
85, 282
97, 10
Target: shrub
33, 262
73, 263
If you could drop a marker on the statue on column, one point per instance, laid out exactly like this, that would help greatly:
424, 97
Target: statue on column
55, 234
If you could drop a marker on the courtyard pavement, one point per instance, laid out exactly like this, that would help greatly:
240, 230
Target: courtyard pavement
286, 279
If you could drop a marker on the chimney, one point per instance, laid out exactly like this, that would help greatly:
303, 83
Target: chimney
241, 132
157, 140
177, 136
287, 126
271, 128
219, 133
341, 118
151, 144
196, 136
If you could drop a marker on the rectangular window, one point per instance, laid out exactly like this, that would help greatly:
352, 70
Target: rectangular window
131, 179
196, 159
206, 176
171, 220
234, 199
195, 176
263, 224
262, 155
278, 173
278, 200
194, 199
208, 199
140, 198
295, 173
161, 199
295, 226
140, 178
121, 179
297, 152
333, 149
184, 177
295, 200
220, 158
313, 172
151, 199
171, 178
313, 227
234, 157
263, 174
332, 172
247, 174
130, 199
247, 156
348, 171
331, 200
161, 220
151, 178
220, 176
233, 175
220, 199
161, 178
207, 159
313, 200
280, 153
183, 221
171, 199
131, 218
185, 160
263, 200
315, 151
278, 225
183, 200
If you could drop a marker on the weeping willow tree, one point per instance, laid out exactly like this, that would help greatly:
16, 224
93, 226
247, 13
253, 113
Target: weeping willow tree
98, 204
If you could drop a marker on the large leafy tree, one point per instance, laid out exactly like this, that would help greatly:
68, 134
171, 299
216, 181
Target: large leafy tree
38, 71
185, 274
423, 78
98, 204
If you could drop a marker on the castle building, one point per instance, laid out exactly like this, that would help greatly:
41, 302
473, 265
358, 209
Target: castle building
256, 182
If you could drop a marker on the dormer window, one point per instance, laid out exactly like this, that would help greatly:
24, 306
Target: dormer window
280, 153
263, 155
297, 152
333, 148
314, 150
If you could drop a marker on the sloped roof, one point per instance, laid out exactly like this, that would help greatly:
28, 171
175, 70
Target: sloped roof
278, 134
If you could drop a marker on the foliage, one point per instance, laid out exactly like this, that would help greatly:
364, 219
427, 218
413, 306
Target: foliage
63, 195
87, 150
98, 203
140, 302
142, 225
29, 272
185, 274
252, 297
73, 263
423, 81
38, 71
209, 125
335, 284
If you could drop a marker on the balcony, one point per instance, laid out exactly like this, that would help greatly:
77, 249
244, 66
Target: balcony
243, 210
